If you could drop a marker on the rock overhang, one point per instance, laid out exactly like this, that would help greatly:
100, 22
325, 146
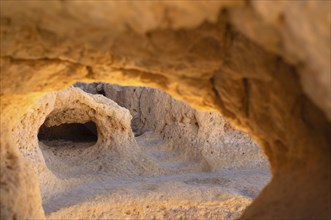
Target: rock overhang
285, 105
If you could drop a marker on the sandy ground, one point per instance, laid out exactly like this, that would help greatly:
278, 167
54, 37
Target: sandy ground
187, 190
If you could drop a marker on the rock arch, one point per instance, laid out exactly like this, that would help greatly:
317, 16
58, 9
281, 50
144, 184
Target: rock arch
74, 106
247, 61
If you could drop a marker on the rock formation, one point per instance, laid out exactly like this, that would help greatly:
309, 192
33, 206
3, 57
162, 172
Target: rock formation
73, 140
264, 65
205, 135
115, 146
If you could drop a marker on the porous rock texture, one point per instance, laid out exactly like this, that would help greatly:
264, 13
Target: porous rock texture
264, 64
115, 146
175, 145
196, 135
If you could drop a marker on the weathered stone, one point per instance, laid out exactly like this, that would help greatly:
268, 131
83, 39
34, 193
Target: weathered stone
263, 69
205, 136
53, 136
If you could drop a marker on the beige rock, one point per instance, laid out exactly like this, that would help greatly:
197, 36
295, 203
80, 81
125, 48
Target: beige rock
303, 42
205, 136
54, 137
266, 75
75, 106
114, 136
20, 193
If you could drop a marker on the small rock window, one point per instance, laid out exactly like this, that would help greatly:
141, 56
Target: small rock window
74, 132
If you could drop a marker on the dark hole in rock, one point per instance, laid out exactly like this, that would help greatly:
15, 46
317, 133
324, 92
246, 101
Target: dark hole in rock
137, 133
75, 132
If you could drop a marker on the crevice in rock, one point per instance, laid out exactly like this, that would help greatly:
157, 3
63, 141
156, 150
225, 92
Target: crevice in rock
218, 98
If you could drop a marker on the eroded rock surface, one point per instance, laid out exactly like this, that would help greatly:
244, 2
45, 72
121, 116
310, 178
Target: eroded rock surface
83, 151
57, 162
197, 135
264, 65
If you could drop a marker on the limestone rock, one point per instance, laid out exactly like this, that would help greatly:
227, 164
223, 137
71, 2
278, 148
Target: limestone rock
264, 65
19, 185
197, 135
114, 136
285, 30
74, 106
60, 160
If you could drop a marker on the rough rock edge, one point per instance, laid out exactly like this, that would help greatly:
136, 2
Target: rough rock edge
296, 154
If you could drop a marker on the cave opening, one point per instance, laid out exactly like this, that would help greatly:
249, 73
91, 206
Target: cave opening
69, 132
168, 138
